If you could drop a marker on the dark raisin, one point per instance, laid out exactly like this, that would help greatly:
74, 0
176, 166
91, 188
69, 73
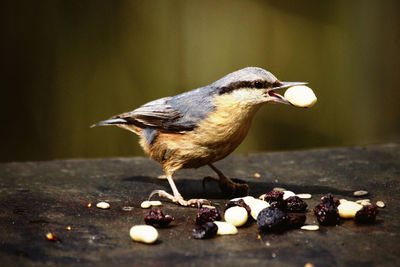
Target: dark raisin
275, 199
207, 214
157, 218
326, 211
296, 221
272, 219
295, 204
239, 203
367, 214
207, 230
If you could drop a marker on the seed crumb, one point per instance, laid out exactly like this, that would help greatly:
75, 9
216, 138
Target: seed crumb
68, 228
52, 237
257, 175
88, 205
127, 208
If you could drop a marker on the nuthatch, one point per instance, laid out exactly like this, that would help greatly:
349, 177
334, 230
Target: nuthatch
201, 126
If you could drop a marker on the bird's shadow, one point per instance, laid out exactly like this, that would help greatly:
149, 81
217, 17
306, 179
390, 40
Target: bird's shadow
193, 188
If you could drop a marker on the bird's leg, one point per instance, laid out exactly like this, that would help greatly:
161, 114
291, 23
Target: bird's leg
227, 186
177, 197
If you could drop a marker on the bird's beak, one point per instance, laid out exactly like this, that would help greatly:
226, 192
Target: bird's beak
275, 97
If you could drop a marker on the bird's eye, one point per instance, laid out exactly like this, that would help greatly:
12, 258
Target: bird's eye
258, 84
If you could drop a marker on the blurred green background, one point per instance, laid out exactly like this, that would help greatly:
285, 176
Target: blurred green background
68, 64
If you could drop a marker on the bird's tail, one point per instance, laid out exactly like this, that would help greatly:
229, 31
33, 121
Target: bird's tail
110, 122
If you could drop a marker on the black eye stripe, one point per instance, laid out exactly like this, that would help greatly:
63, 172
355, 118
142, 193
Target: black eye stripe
245, 84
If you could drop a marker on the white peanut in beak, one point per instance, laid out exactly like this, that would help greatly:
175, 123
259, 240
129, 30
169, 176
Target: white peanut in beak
300, 96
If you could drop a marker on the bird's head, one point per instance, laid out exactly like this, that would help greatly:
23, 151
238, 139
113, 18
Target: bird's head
253, 86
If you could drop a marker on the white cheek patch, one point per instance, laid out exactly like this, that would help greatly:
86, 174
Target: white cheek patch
249, 95
300, 96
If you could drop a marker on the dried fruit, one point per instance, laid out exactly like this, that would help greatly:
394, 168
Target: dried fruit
206, 230
326, 211
144, 233
275, 199
236, 215
295, 204
272, 219
367, 214
157, 218
239, 203
296, 221
206, 214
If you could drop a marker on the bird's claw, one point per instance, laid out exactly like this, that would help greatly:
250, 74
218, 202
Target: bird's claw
179, 199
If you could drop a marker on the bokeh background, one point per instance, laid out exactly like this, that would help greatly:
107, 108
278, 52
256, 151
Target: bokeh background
68, 64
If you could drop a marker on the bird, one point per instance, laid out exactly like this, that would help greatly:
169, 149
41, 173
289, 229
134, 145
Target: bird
201, 126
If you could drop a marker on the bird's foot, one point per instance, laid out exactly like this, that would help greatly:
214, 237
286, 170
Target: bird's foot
230, 187
179, 199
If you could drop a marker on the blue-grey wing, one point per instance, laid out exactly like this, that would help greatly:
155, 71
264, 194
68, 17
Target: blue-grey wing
173, 114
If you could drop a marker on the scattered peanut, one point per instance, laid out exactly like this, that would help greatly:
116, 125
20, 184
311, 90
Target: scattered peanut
348, 209
360, 193
257, 205
380, 204
364, 202
236, 215
144, 233
225, 228
287, 194
300, 96
310, 227
103, 205
304, 196
155, 203
145, 204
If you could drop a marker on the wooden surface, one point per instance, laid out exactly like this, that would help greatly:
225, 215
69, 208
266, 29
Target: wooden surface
41, 197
